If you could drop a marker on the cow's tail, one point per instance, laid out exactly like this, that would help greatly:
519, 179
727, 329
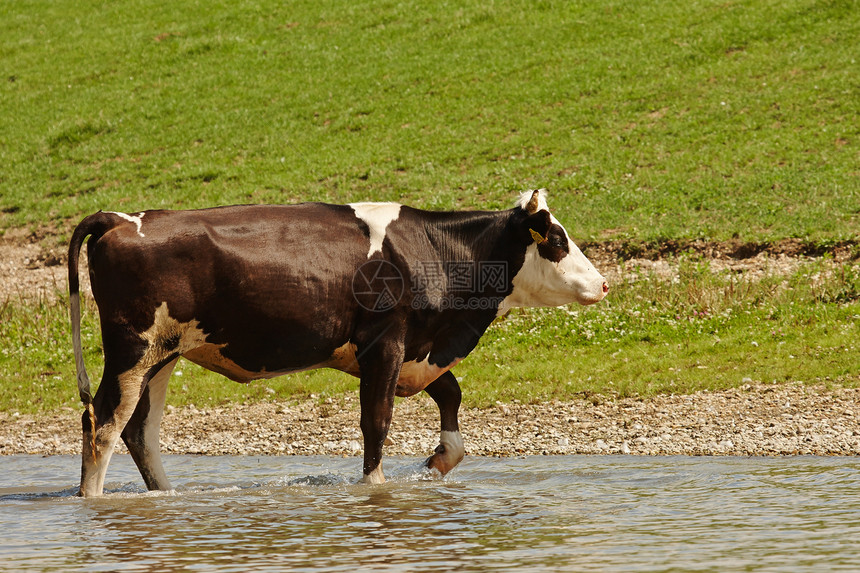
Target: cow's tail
96, 225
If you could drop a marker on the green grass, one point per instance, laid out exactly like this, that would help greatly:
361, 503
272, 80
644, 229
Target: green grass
707, 331
647, 120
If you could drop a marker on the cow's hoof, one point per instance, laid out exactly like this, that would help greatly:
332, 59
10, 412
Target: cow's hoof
438, 463
448, 454
375, 477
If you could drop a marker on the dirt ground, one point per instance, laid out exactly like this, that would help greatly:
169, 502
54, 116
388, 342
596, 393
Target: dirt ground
31, 271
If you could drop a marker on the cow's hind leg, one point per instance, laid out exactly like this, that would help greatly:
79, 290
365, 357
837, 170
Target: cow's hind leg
445, 391
113, 405
130, 363
141, 433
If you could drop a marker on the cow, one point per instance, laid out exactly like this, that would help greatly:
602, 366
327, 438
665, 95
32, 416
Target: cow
393, 295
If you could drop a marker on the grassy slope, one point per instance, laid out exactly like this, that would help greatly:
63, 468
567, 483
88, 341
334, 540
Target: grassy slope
646, 120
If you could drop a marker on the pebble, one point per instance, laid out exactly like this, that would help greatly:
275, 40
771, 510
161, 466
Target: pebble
743, 421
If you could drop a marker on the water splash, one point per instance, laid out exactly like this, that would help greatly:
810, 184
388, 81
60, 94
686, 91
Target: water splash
312, 481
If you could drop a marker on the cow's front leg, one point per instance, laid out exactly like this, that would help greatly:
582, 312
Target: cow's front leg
380, 368
445, 391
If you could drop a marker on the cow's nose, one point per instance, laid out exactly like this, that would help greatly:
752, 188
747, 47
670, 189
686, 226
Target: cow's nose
605, 287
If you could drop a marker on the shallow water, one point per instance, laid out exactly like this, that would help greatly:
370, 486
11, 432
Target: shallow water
571, 513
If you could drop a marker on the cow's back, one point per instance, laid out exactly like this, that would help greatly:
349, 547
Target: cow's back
270, 285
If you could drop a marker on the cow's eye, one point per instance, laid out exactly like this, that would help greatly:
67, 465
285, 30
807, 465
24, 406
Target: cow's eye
557, 242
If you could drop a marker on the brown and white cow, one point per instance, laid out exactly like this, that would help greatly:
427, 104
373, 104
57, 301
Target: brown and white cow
393, 295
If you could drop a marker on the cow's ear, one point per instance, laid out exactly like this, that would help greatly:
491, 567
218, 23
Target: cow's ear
536, 226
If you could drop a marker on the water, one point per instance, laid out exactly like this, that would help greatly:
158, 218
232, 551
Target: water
564, 513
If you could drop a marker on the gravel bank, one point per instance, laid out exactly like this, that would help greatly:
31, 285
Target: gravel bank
783, 419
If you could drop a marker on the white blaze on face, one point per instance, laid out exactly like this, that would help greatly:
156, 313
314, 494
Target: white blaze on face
588, 284
542, 282
377, 216
136, 219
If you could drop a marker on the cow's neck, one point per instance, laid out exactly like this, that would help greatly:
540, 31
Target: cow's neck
477, 236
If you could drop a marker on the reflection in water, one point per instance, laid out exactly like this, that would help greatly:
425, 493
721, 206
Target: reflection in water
550, 513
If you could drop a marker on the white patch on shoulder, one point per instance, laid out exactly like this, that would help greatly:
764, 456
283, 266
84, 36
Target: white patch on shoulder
377, 216
136, 219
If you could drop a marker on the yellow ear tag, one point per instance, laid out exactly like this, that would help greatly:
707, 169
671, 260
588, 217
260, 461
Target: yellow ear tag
537, 236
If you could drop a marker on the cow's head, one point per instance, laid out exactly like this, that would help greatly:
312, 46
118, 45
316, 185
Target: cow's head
554, 272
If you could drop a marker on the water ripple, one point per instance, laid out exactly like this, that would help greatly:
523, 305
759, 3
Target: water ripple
613, 513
